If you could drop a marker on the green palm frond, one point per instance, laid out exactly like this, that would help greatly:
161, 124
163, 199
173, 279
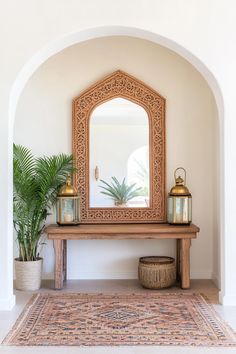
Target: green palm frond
51, 173
36, 183
119, 192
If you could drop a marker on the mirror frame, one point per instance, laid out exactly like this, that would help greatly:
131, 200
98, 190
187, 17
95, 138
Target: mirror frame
120, 84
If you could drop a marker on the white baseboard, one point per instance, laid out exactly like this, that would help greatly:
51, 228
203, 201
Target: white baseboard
105, 275
216, 280
7, 304
48, 276
96, 275
201, 274
130, 274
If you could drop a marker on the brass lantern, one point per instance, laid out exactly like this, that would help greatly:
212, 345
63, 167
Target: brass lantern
68, 205
179, 203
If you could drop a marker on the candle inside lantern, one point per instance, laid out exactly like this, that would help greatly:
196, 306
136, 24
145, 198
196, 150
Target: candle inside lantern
68, 217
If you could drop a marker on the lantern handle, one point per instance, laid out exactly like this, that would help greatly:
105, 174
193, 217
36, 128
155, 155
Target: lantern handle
181, 168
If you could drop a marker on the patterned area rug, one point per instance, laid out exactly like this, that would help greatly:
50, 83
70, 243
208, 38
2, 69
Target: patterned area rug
135, 319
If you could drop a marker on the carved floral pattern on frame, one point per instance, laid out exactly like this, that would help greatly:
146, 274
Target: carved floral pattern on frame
121, 84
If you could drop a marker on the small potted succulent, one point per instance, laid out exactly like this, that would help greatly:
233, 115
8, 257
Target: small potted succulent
36, 182
121, 193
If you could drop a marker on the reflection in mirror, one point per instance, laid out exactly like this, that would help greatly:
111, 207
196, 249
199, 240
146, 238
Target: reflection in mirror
119, 155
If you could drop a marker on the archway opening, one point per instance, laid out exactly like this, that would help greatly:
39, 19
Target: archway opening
26, 73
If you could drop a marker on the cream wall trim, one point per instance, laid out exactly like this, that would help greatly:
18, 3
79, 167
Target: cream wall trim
216, 280
120, 275
130, 275
201, 274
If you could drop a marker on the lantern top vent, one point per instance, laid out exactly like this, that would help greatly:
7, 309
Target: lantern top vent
180, 189
67, 190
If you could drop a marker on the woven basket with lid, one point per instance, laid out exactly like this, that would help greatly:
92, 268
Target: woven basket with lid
156, 272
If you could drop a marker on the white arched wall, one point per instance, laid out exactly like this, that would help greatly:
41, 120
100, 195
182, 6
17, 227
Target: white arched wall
6, 251
190, 122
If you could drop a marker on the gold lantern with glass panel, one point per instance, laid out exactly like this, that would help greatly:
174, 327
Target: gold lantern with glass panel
179, 202
68, 205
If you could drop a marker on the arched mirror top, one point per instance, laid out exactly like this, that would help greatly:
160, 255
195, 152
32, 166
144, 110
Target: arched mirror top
119, 110
119, 138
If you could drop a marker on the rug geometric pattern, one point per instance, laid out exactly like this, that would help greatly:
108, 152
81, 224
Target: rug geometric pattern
134, 319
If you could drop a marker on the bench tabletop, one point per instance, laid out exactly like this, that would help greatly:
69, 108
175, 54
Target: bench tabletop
121, 231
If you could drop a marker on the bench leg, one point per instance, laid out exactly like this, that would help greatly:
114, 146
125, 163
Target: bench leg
178, 259
64, 260
58, 270
185, 262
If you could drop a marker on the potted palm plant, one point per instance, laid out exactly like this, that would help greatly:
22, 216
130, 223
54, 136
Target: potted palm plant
36, 182
121, 193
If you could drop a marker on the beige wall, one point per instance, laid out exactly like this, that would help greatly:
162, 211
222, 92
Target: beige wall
43, 123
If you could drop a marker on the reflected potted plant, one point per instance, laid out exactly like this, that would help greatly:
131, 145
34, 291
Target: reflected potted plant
121, 193
36, 182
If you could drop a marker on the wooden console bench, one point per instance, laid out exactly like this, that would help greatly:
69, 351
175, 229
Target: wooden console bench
182, 234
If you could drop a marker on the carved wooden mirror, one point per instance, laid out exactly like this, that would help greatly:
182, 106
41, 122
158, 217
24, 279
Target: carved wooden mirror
119, 151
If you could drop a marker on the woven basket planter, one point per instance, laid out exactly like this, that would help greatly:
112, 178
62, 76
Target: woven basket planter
156, 272
28, 274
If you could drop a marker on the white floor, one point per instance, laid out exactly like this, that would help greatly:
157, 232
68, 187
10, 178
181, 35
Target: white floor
7, 319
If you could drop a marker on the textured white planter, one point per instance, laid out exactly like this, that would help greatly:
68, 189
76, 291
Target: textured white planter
28, 274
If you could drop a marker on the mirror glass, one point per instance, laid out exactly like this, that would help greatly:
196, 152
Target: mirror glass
119, 174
